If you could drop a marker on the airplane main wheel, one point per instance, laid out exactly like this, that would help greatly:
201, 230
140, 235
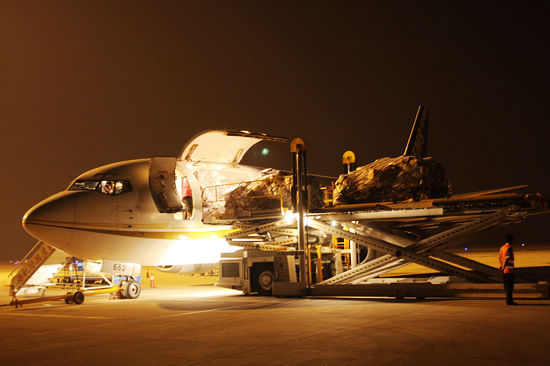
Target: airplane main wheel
131, 289
78, 298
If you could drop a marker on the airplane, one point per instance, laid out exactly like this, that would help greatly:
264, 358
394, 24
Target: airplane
134, 211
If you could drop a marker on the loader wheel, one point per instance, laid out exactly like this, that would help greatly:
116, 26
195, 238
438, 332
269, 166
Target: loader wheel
263, 279
78, 298
131, 289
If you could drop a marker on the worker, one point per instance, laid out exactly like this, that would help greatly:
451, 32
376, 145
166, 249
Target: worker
187, 198
108, 187
506, 259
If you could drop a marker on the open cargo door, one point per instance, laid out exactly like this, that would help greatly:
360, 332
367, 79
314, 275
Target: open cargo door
162, 183
219, 146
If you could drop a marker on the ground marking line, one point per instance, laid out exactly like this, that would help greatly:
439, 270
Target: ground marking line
58, 316
206, 311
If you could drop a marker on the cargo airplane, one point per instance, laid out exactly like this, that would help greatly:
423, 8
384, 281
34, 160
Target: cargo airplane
149, 211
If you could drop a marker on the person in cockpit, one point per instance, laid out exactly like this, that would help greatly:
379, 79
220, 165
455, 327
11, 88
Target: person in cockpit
108, 187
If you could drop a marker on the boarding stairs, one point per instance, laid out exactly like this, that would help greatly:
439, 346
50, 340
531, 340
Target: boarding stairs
37, 270
45, 266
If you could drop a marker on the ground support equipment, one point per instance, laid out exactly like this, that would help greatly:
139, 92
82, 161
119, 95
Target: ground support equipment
47, 269
394, 235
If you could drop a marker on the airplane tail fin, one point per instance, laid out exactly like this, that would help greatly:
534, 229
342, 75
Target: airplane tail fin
417, 145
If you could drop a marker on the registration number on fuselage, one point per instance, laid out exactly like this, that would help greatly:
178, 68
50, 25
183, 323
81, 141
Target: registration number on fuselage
120, 268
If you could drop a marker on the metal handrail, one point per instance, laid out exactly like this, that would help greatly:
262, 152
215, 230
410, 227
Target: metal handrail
29, 253
237, 185
217, 199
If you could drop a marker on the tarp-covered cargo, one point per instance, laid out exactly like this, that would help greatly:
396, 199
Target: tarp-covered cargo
392, 179
268, 193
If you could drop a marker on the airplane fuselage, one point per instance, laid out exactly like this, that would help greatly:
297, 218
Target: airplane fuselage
109, 213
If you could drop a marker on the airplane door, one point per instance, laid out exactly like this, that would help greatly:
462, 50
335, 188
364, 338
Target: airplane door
162, 183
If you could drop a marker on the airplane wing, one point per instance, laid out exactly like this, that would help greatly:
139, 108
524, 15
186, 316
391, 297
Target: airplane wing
222, 146
490, 191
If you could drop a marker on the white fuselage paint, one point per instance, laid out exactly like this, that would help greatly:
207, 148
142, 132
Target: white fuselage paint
128, 227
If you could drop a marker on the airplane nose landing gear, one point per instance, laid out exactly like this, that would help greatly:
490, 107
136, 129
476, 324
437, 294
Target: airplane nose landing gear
131, 289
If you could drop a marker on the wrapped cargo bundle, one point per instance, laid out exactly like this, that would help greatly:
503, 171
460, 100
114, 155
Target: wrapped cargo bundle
268, 193
392, 179
264, 194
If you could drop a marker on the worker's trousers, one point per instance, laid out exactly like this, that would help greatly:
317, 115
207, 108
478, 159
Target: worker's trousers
508, 280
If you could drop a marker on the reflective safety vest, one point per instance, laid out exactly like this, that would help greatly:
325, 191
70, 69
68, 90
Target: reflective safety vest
506, 252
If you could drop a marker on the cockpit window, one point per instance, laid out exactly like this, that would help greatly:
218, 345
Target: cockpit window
109, 187
84, 185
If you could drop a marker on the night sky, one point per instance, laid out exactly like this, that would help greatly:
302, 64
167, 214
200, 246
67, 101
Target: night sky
87, 83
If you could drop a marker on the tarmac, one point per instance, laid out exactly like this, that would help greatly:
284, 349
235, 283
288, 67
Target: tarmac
186, 320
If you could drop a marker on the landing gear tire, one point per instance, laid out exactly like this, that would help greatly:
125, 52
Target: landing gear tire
78, 298
130, 289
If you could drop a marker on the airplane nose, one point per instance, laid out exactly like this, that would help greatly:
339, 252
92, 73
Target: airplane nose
51, 220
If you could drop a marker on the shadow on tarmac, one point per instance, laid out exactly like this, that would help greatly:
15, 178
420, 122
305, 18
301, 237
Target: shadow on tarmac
383, 300
198, 304
263, 302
